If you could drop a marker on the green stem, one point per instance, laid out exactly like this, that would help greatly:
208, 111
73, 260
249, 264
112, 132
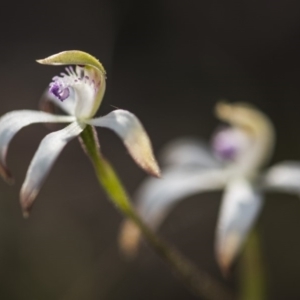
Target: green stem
197, 281
252, 273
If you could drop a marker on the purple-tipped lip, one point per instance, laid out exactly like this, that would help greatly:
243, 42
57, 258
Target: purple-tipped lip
226, 144
59, 92
226, 152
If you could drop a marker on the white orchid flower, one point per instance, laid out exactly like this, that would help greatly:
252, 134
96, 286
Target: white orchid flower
233, 164
78, 92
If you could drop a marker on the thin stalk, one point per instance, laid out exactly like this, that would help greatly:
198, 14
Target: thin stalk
253, 284
199, 282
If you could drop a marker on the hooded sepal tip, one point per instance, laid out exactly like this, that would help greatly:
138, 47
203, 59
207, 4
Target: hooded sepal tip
226, 255
72, 57
6, 174
27, 200
129, 239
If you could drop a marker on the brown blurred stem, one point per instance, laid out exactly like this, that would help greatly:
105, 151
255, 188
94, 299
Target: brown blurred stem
197, 281
253, 284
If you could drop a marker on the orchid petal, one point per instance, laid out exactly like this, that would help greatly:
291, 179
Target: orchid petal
43, 160
12, 122
155, 198
239, 209
284, 176
127, 126
92, 67
188, 151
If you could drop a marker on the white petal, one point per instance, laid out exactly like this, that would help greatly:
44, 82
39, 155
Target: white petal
284, 176
156, 197
188, 151
13, 121
127, 126
44, 158
239, 209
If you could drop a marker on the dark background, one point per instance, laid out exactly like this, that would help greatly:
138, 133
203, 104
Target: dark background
168, 62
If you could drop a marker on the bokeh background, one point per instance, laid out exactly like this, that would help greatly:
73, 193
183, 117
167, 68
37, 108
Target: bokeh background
168, 62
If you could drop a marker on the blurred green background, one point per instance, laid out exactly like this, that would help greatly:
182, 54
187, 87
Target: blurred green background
168, 62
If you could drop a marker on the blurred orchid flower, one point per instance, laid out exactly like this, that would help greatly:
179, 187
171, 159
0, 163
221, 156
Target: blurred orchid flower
78, 92
232, 163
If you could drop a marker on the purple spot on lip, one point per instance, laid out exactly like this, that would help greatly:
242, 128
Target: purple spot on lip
226, 145
226, 152
59, 92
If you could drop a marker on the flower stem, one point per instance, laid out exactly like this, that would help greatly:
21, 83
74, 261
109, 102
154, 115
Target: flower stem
200, 283
253, 283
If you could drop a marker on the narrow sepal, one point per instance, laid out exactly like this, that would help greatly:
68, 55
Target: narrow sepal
239, 209
42, 162
128, 127
156, 197
284, 176
12, 122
